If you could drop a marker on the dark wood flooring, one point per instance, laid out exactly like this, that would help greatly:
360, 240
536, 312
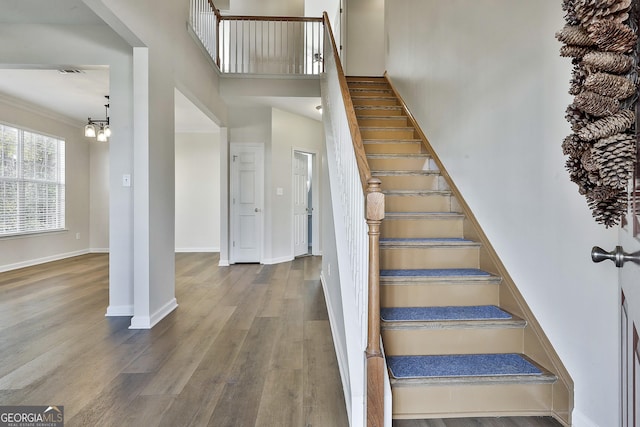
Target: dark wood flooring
249, 345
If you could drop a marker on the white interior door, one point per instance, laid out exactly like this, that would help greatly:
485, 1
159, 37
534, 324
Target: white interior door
300, 203
247, 201
629, 276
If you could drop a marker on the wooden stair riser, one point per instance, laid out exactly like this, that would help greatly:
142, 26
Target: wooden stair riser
438, 295
363, 100
418, 203
413, 182
417, 258
488, 400
392, 147
414, 228
378, 111
387, 133
371, 92
379, 121
417, 163
415, 342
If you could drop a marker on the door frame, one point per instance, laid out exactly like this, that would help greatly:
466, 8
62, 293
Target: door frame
315, 199
234, 148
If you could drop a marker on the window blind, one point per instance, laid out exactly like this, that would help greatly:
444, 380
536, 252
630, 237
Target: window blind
32, 182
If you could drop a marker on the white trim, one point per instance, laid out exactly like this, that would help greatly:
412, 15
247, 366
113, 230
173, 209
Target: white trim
277, 260
223, 263
341, 355
119, 310
99, 250
191, 250
43, 260
581, 420
148, 322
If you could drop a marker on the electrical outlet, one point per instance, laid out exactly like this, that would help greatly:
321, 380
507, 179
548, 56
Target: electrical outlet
77, 236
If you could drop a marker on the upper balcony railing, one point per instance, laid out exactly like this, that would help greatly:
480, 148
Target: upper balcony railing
259, 44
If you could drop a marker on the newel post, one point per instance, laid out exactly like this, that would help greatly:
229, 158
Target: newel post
375, 362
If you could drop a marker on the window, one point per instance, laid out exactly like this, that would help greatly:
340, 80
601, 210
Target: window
31, 182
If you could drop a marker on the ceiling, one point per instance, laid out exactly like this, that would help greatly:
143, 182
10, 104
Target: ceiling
80, 94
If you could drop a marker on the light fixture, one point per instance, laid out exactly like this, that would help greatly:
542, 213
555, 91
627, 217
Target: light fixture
99, 129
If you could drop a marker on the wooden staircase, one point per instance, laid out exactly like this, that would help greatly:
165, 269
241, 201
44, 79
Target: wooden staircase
437, 267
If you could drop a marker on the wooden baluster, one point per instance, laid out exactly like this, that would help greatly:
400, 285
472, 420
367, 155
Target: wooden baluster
375, 362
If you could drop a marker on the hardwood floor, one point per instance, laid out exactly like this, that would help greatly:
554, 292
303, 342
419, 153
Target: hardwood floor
249, 345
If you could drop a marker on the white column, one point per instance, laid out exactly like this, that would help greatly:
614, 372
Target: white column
224, 197
154, 190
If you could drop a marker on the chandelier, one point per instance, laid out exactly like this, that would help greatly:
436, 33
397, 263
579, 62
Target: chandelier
99, 129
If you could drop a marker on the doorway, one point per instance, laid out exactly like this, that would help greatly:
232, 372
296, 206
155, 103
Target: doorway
247, 202
305, 223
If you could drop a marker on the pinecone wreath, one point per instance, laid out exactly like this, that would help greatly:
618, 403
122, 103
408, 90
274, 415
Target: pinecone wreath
601, 150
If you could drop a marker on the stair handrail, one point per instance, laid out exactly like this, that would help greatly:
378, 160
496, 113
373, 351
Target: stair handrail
358, 145
374, 201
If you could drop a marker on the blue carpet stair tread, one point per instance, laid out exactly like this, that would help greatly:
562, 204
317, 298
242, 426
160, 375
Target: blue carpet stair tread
478, 312
460, 365
435, 272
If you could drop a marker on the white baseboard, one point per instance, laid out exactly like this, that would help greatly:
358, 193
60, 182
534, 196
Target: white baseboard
99, 250
190, 250
343, 363
223, 263
277, 260
119, 310
32, 262
148, 322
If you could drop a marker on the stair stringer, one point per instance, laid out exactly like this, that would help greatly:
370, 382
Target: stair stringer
535, 343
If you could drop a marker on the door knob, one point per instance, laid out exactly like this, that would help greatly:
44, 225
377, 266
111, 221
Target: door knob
257, 209
618, 256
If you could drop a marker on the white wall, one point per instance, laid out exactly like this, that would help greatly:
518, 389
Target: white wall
485, 81
99, 197
365, 38
261, 7
280, 132
289, 132
22, 251
197, 192
36, 45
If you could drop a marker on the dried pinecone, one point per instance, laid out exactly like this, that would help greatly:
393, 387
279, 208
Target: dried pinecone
572, 51
573, 146
589, 11
612, 36
596, 105
607, 126
605, 84
611, 62
569, 7
588, 161
578, 77
610, 211
574, 35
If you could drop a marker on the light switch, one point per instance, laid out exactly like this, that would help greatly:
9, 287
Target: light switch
126, 180
279, 191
